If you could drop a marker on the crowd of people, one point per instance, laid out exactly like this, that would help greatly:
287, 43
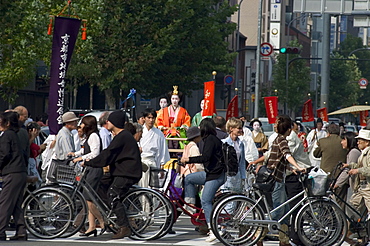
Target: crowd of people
122, 154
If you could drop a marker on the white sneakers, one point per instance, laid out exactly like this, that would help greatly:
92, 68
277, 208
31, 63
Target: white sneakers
211, 237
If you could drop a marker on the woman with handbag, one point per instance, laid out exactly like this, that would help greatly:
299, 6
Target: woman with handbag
91, 148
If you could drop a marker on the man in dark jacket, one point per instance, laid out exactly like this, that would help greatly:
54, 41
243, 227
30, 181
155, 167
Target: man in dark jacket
13, 169
123, 157
330, 149
331, 152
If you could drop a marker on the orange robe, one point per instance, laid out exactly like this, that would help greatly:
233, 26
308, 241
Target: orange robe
181, 118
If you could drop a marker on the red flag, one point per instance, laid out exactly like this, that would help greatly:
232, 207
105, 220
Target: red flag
363, 115
323, 114
232, 109
307, 113
209, 99
271, 105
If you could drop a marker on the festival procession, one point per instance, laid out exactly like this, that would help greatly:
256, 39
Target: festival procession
184, 122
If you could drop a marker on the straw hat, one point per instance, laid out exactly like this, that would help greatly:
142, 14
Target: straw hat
69, 117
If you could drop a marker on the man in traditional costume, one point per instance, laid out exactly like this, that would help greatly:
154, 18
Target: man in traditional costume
312, 138
154, 148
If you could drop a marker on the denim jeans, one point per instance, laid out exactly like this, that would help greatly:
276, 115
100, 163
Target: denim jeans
279, 197
209, 190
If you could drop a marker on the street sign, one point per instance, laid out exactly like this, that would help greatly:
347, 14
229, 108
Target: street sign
145, 102
228, 80
363, 83
275, 13
266, 49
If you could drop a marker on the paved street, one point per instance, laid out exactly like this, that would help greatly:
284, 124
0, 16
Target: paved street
185, 235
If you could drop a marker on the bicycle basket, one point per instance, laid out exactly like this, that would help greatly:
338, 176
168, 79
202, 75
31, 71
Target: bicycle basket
157, 177
66, 174
317, 186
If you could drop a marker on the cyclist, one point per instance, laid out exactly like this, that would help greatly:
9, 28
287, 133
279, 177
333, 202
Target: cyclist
213, 176
279, 160
123, 157
361, 189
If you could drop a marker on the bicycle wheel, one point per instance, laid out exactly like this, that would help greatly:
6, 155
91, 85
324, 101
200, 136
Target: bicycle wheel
321, 223
233, 221
171, 220
150, 215
47, 213
80, 210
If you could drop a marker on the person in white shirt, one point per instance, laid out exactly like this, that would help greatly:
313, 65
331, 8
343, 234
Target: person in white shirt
250, 149
106, 139
91, 149
105, 135
154, 147
312, 138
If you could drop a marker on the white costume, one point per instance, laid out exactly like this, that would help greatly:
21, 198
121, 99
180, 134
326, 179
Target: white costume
297, 150
312, 139
154, 151
250, 149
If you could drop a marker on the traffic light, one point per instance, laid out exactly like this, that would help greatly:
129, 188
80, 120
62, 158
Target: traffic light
225, 92
290, 50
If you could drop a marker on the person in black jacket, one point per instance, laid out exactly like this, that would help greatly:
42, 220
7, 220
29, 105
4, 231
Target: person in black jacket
123, 157
213, 176
13, 169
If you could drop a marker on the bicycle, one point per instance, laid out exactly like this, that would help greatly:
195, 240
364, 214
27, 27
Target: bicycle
358, 223
239, 219
147, 210
174, 196
47, 212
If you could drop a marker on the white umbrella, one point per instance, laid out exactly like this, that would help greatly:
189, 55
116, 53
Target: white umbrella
352, 109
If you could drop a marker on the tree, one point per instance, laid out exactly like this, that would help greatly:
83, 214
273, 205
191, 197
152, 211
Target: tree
153, 45
349, 45
149, 44
293, 91
344, 90
19, 49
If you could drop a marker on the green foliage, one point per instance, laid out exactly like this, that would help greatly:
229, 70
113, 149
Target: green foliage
149, 44
350, 44
344, 90
354, 45
153, 45
293, 91
18, 47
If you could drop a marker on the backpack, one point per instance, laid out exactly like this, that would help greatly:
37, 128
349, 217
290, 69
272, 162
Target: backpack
230, 159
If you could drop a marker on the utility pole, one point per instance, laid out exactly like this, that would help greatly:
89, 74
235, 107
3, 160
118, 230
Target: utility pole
258, 58
325, 71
